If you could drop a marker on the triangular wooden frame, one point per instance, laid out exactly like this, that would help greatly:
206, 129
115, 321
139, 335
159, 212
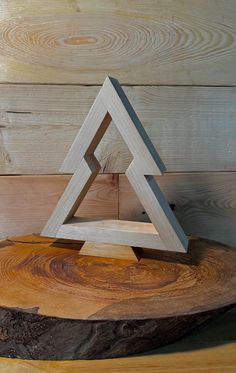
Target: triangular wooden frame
164, 231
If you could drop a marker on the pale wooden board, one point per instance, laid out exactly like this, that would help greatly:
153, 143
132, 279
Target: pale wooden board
123, 252
193, 128
204, 203
140, 42
26, 202
209, 350
119, 232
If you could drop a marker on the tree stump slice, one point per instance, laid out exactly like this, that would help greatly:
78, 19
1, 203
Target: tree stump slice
58, 304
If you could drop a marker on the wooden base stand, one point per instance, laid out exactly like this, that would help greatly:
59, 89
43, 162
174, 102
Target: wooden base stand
58, 304
111, 251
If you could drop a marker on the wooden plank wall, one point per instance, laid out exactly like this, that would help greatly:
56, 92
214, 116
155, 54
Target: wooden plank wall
176, 61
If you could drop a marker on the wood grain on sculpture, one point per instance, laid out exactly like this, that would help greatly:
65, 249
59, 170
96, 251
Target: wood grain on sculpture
164, 232
101, 288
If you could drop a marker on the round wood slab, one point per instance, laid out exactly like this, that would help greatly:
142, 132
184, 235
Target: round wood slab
58, 304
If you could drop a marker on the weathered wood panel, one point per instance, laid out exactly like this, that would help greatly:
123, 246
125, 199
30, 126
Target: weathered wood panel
26, 202
204, 203
193, 128
140, 42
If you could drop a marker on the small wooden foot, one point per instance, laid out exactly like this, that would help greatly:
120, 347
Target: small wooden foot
111, 251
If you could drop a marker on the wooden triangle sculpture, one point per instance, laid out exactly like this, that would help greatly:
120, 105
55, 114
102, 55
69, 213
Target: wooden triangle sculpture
164, 231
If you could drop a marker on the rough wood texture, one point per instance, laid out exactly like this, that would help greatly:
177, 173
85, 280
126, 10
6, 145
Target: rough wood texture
141, 42
193, 128
209, 349
90, 315
29, 336
204, 203
27, 201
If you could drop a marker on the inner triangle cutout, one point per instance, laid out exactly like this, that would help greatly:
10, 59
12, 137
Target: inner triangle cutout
164, 232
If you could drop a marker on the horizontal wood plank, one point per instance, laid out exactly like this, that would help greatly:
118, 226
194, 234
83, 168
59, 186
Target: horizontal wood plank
193, 128
142, 42
28, 201
137, 234
204, 203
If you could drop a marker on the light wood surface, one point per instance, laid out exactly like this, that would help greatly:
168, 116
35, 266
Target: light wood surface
193, 128
207, 197
158, 210
28, 201
166, 233
112, 100
73, 196
103, 250
209, 350
141, 42
119, 232
204, 203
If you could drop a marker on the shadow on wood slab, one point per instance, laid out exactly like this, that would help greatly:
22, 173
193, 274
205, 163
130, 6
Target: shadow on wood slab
215, 332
